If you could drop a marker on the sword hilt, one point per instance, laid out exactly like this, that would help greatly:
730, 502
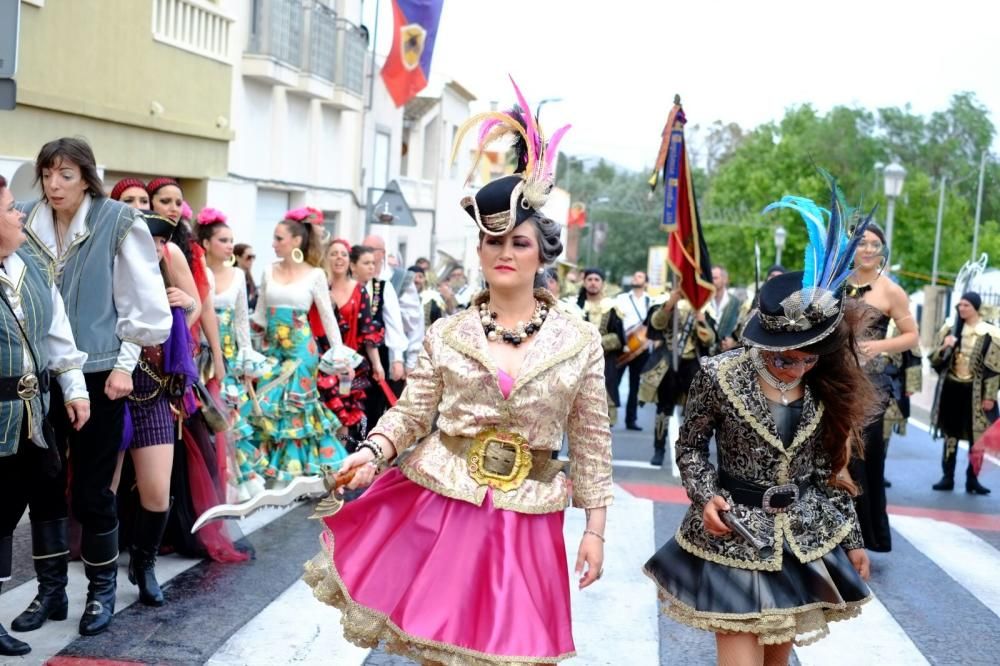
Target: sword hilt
332, 481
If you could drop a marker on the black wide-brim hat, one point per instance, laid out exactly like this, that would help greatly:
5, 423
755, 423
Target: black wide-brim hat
788, 317
159, 226
499, 206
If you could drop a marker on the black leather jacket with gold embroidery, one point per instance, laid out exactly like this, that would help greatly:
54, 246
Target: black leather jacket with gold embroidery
726, 400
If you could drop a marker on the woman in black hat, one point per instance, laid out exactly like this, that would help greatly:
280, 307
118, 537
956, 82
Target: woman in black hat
456, 555
770, 551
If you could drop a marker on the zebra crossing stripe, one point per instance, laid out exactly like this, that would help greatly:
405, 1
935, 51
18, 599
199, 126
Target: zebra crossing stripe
966, 558
874, 634
294, 629
53, 636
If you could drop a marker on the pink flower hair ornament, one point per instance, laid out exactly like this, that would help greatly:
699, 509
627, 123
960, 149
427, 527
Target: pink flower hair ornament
305, 215
211, 216
186, 212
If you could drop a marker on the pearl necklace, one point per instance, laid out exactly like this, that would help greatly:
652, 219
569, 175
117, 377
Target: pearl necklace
519, 333
773, 381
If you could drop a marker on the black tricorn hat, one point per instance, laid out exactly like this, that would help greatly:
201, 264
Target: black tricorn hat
499, 206
159, 226
790, 317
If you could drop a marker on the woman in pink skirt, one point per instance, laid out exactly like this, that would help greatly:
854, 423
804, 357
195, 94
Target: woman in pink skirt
456, 555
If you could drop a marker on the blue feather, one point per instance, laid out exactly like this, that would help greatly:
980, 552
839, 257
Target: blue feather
843, 270
834, 236
812, 215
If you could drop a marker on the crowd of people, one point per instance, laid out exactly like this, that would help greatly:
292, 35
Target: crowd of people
181, 382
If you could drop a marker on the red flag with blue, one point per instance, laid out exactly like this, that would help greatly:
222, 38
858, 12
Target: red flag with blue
687, 252
408, 67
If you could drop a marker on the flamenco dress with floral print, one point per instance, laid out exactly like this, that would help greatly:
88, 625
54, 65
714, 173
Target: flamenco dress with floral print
242, 361
293, 429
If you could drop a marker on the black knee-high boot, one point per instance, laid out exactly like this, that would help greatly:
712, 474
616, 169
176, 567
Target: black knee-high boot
50, 553
972, 485
9, 646
660, 431
948, 456
99, 552
149, 527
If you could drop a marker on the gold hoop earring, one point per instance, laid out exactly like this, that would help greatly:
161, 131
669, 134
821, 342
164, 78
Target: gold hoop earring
232, 260
297, 256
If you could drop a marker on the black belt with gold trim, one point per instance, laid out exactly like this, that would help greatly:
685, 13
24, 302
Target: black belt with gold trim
25, 387
503, 459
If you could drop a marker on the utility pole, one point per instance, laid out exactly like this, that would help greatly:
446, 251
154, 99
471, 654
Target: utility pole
979, 206
937, 234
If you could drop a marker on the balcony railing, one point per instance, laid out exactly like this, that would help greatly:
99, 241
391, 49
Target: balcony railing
322, 27
352, 49
276, 28
197, 26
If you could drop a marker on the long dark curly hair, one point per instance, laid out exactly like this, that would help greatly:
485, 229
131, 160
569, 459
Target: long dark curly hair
849, 398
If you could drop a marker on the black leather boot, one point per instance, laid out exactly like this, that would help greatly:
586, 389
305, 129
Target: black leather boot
662, 427
149, 527
9, 646
99, 552
972, 485
948, 457
50, 554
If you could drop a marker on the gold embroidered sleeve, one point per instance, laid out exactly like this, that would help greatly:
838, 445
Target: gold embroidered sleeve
938, 349
660, 320
414, 413
840, 499
992, 360
697, 474
589, 435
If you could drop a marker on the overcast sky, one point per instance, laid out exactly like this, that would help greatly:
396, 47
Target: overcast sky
616, 64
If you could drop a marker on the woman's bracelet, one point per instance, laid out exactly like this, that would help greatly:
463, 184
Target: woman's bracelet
379, 459
596, 534
189, 308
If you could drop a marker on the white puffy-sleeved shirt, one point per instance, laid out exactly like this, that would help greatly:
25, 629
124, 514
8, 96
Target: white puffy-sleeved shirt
300, 294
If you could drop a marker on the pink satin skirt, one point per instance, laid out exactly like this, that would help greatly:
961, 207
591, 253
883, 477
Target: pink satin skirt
443, 580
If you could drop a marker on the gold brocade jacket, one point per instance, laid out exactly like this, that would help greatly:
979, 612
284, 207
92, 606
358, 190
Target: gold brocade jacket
977, 355
726, 400
560, 389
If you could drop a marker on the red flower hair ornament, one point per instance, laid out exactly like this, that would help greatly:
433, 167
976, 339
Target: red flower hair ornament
305, 215
211, 216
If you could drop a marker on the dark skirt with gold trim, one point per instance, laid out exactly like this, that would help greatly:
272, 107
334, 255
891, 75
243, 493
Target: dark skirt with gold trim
795, 603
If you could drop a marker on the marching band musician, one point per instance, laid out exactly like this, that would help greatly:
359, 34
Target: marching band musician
634, 306
725, 312
603, 313
661, 383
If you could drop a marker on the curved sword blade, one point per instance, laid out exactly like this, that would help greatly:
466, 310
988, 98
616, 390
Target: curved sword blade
299, 486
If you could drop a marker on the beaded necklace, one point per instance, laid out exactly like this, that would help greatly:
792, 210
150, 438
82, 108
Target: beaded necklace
765, 374
519, 333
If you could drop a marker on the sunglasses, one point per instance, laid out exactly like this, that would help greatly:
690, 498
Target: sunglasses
782, 362
874, 246
250, 257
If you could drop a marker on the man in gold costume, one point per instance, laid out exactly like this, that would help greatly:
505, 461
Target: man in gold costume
603, 313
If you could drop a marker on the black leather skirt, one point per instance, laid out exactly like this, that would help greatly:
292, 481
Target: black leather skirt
793, 604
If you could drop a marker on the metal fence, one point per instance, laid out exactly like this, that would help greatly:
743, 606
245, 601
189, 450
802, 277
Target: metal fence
276, 28
352, 47
322, 28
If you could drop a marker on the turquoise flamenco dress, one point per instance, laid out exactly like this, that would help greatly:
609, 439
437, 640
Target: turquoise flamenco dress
293, 430
242, 362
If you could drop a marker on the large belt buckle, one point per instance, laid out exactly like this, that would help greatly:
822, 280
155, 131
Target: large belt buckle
27, 386
499, 459
777, 499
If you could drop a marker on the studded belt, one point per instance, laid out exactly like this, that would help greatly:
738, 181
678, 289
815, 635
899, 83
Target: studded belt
502, 459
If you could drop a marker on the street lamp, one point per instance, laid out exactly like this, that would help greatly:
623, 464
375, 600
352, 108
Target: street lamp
538, 109
780, 235
894, 175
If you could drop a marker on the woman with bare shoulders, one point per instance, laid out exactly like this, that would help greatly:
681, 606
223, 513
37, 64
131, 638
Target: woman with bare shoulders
885, 302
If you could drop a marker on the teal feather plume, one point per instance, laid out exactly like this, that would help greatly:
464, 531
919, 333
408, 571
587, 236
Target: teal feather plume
812, 215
